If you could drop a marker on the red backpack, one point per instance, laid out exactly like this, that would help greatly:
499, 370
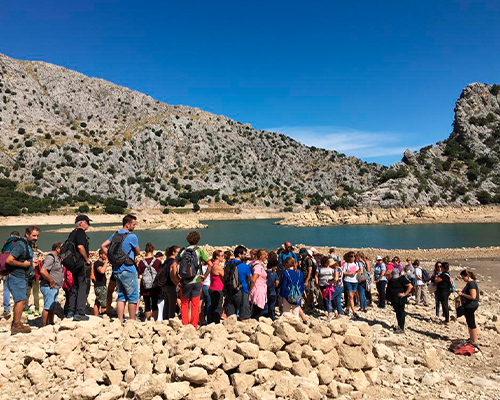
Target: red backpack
68, 279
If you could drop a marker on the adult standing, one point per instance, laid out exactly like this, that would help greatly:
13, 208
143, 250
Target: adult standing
272, 285
351, 269
398, 289
420, 285
191, 258
216, 288
379, 274
121, 248
19, 261
436, 272
148, 268
79, 291
363, 277
51, 281
469, 296
443, 290
171, 281
258, 285
8, 245
33, 285
292, 288
326, 283
237, 299
307, 269
100, 289
287, 252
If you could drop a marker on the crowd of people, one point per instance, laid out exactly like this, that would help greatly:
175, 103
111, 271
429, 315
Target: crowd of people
204, 289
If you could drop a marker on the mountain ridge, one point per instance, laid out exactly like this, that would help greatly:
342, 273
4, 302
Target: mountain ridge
67, 136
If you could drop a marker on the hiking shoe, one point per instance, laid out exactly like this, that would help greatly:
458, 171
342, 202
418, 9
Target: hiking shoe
70, 315
79, 318
37, 313
28, 312
19, 328
399, 331
6, 314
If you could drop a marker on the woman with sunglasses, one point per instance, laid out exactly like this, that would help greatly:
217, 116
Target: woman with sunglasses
470, 303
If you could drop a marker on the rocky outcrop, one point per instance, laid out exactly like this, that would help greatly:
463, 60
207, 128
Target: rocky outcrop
257, 359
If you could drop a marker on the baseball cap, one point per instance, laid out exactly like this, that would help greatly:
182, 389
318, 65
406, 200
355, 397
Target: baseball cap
83, 218
302, 251
379, 258
159, 254
313, 249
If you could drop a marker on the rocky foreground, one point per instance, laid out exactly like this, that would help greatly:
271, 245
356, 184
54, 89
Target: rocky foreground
105, 360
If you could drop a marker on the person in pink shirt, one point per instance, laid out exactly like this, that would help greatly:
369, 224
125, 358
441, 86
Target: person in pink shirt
258, 286
216, 287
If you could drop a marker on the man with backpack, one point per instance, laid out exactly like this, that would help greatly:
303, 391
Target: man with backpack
19, 262
190, 262
121, 248
287, 252
236, 291
51, 280
76, 248
9, 243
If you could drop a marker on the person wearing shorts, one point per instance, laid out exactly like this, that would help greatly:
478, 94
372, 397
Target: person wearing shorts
100, 289
127, 278
51, 279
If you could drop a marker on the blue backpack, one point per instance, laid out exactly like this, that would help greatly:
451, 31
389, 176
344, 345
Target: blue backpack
294, 295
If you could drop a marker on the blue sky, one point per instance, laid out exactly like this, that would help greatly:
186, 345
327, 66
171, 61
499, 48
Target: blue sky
366, 78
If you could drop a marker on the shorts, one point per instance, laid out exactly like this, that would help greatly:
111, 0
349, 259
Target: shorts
49, 297
150, 303
291, 308
101, 295
350, 287
190, 290
17, 286
127, 287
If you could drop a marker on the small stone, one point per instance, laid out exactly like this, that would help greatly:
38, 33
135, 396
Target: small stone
195, 375
176, 390
241, 383
248, 350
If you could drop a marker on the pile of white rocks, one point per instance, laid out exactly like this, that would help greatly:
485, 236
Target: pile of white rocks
105, 360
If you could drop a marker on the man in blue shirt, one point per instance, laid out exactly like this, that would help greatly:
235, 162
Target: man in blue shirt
379, 271
239, 301
127, 279
20, 261
288, 252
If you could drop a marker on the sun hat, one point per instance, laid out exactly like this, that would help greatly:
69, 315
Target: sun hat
379, 258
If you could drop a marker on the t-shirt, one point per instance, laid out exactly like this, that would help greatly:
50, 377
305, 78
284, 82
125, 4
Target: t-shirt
419, 276
244, 272
52, 264
130, 242
100, 279
396, 286
325, 275
206, 282
284, 256
468, 302
350, 268
18, 251
81, 239
340, 281
272, 278
202, 257
379, 271
168, 264
305, 264
444, 285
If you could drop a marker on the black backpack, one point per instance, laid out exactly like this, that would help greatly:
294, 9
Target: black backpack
189, 265
70, 257
116, 256
231, 282
161, 278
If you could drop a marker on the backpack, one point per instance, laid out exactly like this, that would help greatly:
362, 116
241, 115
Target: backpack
4, 268
149, 274
116, 256
231, 280
426, 278
68, 279
70, 257
453, 287
294, 295
161, 277
9, 244
190, 264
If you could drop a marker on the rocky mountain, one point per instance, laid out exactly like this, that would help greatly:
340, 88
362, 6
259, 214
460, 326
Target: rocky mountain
71, 139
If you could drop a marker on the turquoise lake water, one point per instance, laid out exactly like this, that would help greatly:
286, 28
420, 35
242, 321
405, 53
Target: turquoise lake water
263, 234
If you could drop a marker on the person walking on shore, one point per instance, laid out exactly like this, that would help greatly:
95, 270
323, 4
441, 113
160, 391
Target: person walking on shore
258, 285
51, 281
78, 294
379, 274
121, 248
443, 290
19, 262
398, 290
469, 296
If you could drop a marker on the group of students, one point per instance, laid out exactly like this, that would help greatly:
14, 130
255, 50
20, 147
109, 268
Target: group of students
249, 284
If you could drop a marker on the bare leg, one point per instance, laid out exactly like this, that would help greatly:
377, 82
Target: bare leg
45, 317
96, 310
132, 310
109, 297
50, 319
120, 309
302, 314
155, 315
473, 335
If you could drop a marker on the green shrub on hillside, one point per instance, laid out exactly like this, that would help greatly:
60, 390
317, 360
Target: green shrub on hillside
484, 197
495, 89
